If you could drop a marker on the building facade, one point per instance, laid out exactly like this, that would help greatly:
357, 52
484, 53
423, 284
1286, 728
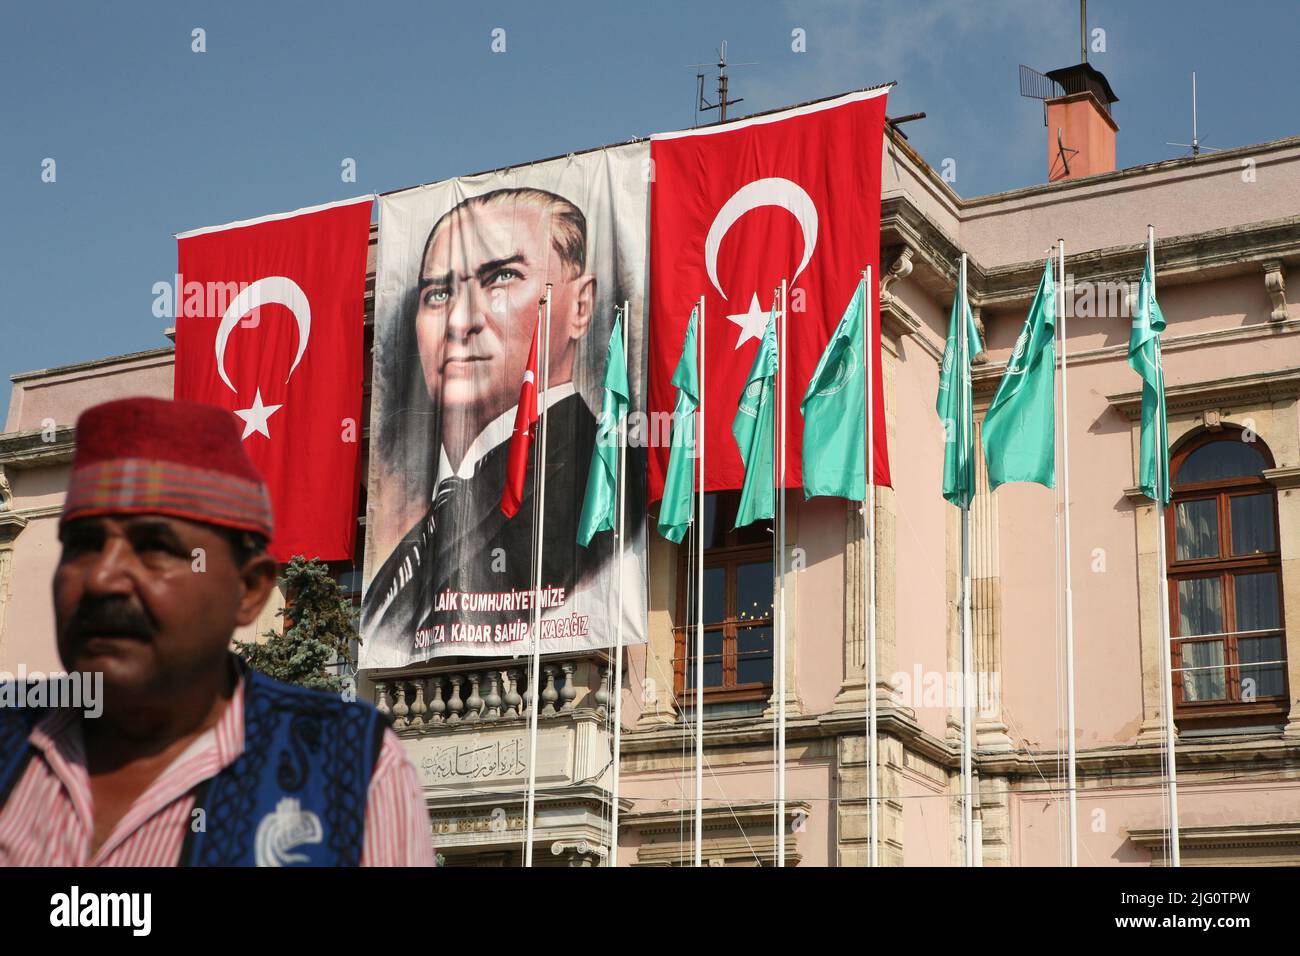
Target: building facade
1227, 235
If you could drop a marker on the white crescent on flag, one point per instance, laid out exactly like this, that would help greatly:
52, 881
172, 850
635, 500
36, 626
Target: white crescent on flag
773, 191
272, 290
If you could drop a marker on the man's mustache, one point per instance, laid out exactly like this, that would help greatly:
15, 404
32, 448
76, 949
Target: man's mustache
104, 617
469, 357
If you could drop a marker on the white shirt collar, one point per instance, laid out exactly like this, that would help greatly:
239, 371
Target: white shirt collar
497, 431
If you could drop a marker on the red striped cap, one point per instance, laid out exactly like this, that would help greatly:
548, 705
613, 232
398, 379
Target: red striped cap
153, 456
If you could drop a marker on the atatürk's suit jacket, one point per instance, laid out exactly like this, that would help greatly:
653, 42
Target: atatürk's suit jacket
465, 544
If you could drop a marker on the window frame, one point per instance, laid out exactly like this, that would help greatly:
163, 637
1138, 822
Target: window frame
730, 556
1225, 567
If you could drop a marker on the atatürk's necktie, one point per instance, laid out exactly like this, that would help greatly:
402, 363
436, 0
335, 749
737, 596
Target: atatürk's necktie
442, 500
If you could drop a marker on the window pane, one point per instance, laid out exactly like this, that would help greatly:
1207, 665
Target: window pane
760, 532
754, 655
1230, 458
1257, 603
1262, 681
1196, 529
712, 659
1251, 521
715, 523
715, 596
1200, 606
754, 591
1207, 684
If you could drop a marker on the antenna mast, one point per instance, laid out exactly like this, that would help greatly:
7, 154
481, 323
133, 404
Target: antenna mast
704, 105
1083, 31
1195, 145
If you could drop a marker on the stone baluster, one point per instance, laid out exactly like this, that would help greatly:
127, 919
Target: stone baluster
512, 699
549, 694
568, 693
602, 691
437, 707
474, 703
418, 709
381, 698
492, 702
454, 704
528, 696
400, 710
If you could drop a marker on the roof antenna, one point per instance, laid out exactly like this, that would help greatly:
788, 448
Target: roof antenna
703, 105
1195, 145
1083, 31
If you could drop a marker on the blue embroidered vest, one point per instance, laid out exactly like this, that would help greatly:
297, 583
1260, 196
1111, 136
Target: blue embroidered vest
296, 795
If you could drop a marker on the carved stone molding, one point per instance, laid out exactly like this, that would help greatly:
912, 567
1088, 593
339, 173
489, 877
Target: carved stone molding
580, 852
1275, 285
900, 267
1239, 390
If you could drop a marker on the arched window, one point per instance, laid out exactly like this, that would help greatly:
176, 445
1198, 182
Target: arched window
1225, 583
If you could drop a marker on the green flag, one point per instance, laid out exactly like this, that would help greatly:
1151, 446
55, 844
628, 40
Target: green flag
678, 504
755, 429
954, 407
834, 412
600, 503
1144, 357
1019, 433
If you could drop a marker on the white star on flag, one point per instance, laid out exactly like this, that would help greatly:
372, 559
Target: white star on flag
752, 323
255, 417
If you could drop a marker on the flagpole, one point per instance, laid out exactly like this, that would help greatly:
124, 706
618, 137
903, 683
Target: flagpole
1163, 605
873, 751
699, 622
780, 546
1073, 812
621, 486
539, 465
967, 776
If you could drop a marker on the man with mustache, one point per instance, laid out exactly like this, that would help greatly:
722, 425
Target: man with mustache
196, 760
485, 266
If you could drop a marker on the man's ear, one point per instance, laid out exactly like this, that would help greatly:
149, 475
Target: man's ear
584, 304
258, 577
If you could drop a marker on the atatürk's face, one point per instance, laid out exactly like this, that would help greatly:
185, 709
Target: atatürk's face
480, 282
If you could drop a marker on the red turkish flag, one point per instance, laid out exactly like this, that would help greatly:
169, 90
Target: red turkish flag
270, 324
735, 209
522, 439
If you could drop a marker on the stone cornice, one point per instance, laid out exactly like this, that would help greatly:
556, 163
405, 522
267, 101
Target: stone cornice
1262, 388
96, 365
1283, 477
1192, 166
748, 814
11, 525
1195, 257
1224, 754
1222, 837
30, 449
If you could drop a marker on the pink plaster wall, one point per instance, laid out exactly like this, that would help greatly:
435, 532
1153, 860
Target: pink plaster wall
65, 395
1114, 210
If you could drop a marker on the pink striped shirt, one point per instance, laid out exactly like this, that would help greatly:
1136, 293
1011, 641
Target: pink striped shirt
48, 819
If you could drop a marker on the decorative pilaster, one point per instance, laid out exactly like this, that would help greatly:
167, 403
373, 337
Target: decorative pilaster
852, 822
986, 611
11, 525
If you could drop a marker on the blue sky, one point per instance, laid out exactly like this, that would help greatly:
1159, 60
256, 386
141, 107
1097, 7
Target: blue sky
150, 138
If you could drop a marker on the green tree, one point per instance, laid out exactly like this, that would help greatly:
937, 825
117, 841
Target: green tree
321, 624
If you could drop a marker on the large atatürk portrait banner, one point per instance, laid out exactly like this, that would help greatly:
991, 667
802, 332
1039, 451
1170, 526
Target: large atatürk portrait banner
462, 265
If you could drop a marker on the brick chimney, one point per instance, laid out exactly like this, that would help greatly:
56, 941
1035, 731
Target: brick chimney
1080, 128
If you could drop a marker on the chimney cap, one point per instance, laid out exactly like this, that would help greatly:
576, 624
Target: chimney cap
1081, 78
